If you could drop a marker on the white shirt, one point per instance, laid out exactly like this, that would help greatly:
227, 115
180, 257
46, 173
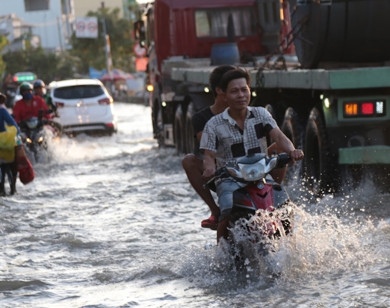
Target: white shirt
222, 135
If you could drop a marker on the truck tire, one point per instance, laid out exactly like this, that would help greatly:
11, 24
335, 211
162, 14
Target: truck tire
191, 141
319, 171
293, 129
330, 31
178, 128
160, 128
157, 123
270, 109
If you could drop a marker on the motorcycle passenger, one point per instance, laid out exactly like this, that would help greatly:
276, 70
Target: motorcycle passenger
40, 90
9, 139
193, 163
238, 131
30, 105
5, 117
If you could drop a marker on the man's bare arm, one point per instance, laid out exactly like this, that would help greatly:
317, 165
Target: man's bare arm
285, 145
209, 164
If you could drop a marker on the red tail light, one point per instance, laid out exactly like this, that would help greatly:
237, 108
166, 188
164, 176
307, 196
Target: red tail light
105, 101
59, 104
374, 108
110, 124
368, 108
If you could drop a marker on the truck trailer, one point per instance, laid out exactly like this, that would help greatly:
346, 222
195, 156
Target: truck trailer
320, 67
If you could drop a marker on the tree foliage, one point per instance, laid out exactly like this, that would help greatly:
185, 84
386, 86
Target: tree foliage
92, 52
47, 66
84, 53
3, 42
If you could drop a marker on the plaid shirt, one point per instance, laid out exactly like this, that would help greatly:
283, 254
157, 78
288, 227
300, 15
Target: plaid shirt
222, 135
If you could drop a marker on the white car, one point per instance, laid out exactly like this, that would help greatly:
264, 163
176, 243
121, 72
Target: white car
83, 106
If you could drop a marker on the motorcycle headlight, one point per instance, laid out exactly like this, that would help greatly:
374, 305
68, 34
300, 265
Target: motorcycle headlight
252, 172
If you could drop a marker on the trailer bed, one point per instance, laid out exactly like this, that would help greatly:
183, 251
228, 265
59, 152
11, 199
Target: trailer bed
321, 79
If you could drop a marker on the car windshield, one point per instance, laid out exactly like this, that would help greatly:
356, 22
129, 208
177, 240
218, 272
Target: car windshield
85, 91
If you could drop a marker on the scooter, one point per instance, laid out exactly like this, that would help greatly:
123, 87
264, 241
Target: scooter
35, 133
262, 210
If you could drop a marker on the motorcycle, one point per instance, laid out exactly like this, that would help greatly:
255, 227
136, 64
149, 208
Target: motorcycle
262, 210
35, 133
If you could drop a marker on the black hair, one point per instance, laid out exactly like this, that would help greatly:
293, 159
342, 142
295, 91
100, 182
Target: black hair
216, 76
234, 74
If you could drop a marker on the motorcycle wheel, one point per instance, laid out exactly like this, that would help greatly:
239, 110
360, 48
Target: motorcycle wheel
237, 227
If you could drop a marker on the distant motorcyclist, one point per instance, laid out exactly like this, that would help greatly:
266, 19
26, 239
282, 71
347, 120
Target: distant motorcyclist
40, 90
30, 105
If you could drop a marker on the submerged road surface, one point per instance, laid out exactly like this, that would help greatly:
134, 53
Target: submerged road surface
113, 222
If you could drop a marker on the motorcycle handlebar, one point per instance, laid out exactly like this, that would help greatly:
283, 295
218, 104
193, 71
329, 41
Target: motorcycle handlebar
221, 173
283, 160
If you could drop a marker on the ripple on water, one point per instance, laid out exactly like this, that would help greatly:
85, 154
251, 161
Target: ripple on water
10, 285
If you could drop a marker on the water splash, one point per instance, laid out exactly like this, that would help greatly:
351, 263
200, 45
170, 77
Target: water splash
323, 243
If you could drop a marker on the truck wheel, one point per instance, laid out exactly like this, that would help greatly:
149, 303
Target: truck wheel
318, 168
191, 142
160, 128
270, 109
293, 129
179, 130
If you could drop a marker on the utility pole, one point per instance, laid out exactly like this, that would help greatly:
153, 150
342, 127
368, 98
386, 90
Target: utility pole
107, 46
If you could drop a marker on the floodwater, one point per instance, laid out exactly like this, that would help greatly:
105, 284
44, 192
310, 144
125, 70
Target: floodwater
113, 222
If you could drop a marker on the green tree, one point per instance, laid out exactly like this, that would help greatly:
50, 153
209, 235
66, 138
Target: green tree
3, 42
91, 52
47, 66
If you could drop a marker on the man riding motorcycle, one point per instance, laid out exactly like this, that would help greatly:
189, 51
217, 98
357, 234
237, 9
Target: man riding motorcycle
238, 131
30, 105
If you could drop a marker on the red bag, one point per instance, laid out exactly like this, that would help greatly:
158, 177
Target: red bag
25, 169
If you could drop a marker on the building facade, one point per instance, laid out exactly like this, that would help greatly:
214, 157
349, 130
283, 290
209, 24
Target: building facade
83, 7
48, 21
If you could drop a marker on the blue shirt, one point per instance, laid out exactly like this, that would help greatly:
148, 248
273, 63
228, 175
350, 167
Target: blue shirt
6, 118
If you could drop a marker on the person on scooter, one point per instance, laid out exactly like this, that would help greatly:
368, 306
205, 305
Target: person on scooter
193, 163
40, 90
238, 131
30, 105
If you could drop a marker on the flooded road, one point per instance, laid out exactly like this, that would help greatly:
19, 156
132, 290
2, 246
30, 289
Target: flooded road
113, 222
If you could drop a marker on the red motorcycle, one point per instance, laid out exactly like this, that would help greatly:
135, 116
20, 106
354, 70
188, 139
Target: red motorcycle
262, 210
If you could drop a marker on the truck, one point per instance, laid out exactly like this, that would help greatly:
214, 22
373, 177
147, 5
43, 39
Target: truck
319, 66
